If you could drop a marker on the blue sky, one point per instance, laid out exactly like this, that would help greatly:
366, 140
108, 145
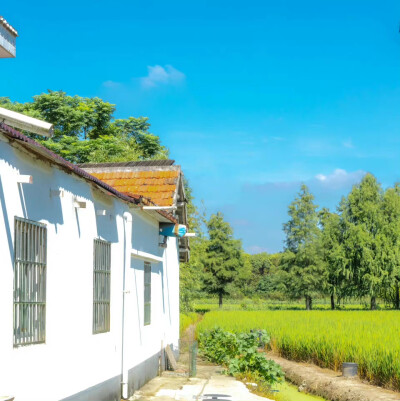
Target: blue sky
252, 97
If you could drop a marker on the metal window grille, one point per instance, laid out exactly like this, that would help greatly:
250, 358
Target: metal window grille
30, 260
101, 286
147, 293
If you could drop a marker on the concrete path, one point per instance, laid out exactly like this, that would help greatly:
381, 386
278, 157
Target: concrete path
209, 384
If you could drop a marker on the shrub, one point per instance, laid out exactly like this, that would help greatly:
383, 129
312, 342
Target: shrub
239, 353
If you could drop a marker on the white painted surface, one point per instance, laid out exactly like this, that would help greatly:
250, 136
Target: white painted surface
148, 257
73, 359
7, 42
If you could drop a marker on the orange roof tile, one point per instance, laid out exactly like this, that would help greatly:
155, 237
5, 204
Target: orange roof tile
159, 186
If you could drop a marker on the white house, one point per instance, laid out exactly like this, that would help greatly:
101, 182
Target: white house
89, 290
8, 36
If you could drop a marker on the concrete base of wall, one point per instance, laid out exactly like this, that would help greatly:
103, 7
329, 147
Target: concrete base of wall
142, 373
109, 390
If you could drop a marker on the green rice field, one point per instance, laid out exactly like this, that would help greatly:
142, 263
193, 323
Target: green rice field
326, 338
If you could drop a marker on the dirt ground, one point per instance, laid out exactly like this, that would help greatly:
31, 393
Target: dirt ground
330, 384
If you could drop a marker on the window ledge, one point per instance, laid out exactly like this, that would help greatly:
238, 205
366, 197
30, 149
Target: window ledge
148, 257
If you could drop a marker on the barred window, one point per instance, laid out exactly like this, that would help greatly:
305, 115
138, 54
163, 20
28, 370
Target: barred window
147, 293
101, 286
29, 282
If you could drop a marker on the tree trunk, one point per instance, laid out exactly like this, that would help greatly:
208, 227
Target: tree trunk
332, 302
373, 303
308, 302
220, 300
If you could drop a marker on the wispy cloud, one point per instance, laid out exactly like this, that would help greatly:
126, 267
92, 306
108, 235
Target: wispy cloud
253, 249
336, 180
340, 178
112, 84
158, 75
348, 144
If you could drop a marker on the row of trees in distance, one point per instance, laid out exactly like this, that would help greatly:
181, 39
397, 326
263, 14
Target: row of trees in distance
353, 252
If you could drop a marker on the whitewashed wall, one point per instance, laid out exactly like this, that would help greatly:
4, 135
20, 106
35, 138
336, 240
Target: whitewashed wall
73, 362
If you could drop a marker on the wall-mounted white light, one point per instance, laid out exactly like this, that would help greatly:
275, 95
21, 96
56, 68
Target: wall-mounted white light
101, 212
79, 204
24, 179
158, 207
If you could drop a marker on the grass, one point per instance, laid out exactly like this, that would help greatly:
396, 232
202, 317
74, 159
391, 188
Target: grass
326, 338
186, 320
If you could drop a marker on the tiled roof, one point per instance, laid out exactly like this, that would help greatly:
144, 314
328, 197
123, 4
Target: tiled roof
158, 185
39, 149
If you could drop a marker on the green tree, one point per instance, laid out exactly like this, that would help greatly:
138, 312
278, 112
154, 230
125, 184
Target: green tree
222, 257
302, 261
261, 263
364, 240
334, 255
85, 129
191, 273
390, 245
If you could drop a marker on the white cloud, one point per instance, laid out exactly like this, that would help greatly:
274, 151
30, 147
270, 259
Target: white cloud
158, 75
340, 178
253, 249
320, 177
112, 84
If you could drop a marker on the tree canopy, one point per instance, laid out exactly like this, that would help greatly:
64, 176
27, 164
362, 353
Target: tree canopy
86, 130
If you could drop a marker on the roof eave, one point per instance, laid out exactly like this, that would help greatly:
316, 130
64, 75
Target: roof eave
42, 151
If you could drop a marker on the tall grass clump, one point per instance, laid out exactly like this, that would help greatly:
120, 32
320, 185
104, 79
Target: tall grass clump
186, 320
326, 338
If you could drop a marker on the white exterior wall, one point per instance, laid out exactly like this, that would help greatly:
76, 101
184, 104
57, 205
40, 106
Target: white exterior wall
73, 362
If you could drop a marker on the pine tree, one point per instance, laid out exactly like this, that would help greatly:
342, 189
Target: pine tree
364, 240
222, 257
334, 255
305, 270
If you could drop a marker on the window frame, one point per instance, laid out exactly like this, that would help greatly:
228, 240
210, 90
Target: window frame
29, 282
147, 294
101, 320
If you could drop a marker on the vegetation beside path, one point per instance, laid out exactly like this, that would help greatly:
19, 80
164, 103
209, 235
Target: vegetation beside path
326, 338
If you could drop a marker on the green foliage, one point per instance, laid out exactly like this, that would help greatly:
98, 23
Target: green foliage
191, 272
222, 258
363, 219
334, 255
239, 353
304, 272
85, 129
326, 338
186, 320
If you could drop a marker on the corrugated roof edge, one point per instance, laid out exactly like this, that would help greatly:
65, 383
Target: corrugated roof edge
10, 28
55, 158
